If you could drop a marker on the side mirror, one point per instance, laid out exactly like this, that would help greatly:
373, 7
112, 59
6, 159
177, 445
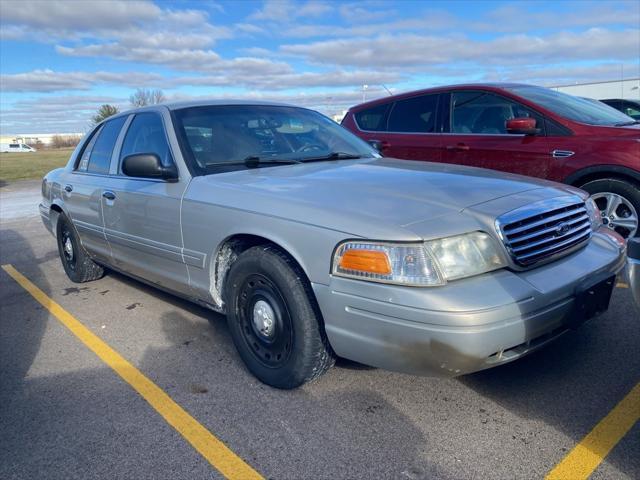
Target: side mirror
522, 125
148, 165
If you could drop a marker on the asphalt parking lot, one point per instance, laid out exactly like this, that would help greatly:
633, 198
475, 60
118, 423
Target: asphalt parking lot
64, 413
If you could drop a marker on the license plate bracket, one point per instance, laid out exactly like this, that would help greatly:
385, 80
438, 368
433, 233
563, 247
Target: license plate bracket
591, 301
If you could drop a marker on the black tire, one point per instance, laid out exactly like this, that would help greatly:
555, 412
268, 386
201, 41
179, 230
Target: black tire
628, 190
76, 262
293, 348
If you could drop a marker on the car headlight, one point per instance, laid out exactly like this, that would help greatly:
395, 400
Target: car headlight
594, 213
466, 255
420, 264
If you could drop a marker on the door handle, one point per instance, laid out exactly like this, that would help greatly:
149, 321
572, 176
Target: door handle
379, 145
109, 195
68, 188
461, 147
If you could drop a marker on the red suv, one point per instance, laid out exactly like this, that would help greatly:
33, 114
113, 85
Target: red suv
515, 128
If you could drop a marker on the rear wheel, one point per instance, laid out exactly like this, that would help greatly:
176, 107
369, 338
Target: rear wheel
274, 320
76, 261
619, 203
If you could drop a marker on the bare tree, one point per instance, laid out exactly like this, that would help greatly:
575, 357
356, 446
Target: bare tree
105, 111
63, 141
143, 97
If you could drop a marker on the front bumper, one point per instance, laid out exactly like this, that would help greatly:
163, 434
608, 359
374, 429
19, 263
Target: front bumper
467, 325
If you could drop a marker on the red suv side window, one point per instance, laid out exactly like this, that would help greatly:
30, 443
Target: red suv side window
485, 113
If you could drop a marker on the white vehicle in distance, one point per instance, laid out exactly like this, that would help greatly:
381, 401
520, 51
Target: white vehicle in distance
16, 148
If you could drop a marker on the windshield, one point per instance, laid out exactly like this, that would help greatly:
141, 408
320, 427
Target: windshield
573, 108
222, 138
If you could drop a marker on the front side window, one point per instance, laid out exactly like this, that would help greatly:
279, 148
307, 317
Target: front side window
573, 108
632, 111
216, 138
146, 135
478, 112
414, 115
373, 119
102, 148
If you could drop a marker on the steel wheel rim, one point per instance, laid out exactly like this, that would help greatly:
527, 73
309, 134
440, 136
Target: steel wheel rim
265, 324
68, 248
618, 213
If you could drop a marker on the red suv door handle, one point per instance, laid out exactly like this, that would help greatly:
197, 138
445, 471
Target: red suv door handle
379, 144
461, 147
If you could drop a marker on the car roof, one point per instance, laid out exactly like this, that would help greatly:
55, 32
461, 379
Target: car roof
459, 86
218, 102
198, 103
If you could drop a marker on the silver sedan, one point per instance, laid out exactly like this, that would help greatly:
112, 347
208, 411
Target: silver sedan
315, 246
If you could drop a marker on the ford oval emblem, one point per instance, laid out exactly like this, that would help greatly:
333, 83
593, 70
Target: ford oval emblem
562, 229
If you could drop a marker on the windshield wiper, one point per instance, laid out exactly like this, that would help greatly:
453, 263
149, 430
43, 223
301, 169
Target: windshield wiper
626, 124
333, 156
253, 161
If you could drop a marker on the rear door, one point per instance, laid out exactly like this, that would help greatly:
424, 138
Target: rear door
142, 215
407, 128
412, 129
477, 135
82, 188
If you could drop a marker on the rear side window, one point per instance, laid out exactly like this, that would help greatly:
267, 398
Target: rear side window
414, 115
486, 113
146, 135
102, 148
373, 119
83, 163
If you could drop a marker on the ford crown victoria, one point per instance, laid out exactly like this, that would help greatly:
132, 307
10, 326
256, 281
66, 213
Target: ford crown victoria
315, 246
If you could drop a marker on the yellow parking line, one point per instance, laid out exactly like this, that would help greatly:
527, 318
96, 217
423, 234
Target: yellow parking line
217, 453
591, 451
622, 285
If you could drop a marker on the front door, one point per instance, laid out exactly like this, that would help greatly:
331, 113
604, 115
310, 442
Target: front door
141, 215
478, 136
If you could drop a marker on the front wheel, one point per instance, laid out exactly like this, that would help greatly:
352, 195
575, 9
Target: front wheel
274, 320
619, 203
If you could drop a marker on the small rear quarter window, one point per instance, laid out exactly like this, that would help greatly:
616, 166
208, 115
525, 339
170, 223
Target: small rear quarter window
373, 119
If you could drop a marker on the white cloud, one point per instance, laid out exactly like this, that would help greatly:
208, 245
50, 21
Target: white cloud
50, 81
283, 11
43, 114
556, 75
239, 72
516, 18
411, 50
78, 15
128, 24
331, 79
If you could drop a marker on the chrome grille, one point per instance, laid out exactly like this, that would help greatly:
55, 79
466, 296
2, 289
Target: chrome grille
546, 229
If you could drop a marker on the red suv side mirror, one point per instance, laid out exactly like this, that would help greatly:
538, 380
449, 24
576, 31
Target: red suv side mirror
522, 125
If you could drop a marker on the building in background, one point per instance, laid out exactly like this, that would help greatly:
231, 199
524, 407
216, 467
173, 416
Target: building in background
45, 139
627, 89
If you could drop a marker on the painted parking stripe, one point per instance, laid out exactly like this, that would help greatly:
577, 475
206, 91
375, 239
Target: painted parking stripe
591, 451
211, 448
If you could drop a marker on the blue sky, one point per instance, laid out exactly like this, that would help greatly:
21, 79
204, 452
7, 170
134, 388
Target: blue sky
59, 60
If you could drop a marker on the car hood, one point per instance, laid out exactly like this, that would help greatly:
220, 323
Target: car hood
354, 195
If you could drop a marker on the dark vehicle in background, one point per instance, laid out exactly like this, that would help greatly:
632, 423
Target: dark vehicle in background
515, 128
628, 107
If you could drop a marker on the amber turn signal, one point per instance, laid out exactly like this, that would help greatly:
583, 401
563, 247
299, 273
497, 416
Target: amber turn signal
371, 261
